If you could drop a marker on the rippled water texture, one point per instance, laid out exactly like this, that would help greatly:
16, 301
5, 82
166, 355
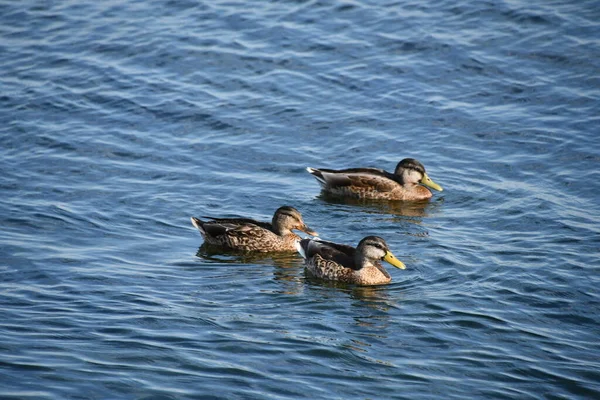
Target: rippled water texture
120, 120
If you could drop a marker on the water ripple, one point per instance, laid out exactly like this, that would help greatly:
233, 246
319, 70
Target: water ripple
120, 120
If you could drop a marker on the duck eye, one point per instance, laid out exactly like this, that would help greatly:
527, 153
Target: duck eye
378, 245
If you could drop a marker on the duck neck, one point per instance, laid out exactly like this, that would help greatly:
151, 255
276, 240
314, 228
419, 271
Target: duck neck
280, 230
360, 261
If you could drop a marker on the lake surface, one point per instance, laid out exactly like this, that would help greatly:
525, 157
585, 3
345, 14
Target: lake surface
119, 120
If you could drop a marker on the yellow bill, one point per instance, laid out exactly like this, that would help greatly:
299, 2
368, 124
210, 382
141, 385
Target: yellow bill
389, 257
426, 181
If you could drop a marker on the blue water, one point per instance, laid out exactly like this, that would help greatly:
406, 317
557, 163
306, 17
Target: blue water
120, 120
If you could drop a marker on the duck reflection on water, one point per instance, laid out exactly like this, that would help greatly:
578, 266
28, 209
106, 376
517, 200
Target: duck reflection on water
420, 208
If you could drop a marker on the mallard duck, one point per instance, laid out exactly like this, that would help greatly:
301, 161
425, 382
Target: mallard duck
373, 183
249, 235
346, 264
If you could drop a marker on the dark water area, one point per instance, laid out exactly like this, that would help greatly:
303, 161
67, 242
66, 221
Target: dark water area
120, 120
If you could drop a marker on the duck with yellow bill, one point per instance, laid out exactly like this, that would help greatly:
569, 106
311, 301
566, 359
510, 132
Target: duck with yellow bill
346, 264
408, 182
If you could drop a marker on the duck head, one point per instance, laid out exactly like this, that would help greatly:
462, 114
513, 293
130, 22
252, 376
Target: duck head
287, 218
372, 249
412, 172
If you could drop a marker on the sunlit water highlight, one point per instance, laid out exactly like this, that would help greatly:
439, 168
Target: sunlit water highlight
120, 120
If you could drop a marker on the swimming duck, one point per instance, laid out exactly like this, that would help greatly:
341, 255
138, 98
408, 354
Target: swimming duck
373, 183
346, 264
249, 235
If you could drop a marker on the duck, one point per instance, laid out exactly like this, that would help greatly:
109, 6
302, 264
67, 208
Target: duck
406, 183
346, 264
246, 234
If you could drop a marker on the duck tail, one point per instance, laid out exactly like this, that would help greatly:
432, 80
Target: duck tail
199, 224
317, 174
300, 246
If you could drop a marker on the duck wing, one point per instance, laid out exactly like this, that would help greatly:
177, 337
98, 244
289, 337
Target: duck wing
364, 178
221, 226
339, 253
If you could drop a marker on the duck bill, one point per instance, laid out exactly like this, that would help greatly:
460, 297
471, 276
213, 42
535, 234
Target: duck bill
426, 181
309, 231
389, 257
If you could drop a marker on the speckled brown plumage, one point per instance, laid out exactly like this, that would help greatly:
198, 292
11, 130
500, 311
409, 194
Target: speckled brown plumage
249, 235
342, 263
372, 183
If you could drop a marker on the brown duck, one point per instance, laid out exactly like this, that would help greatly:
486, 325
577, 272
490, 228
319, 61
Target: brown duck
346, 264
249, 235
406, 183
